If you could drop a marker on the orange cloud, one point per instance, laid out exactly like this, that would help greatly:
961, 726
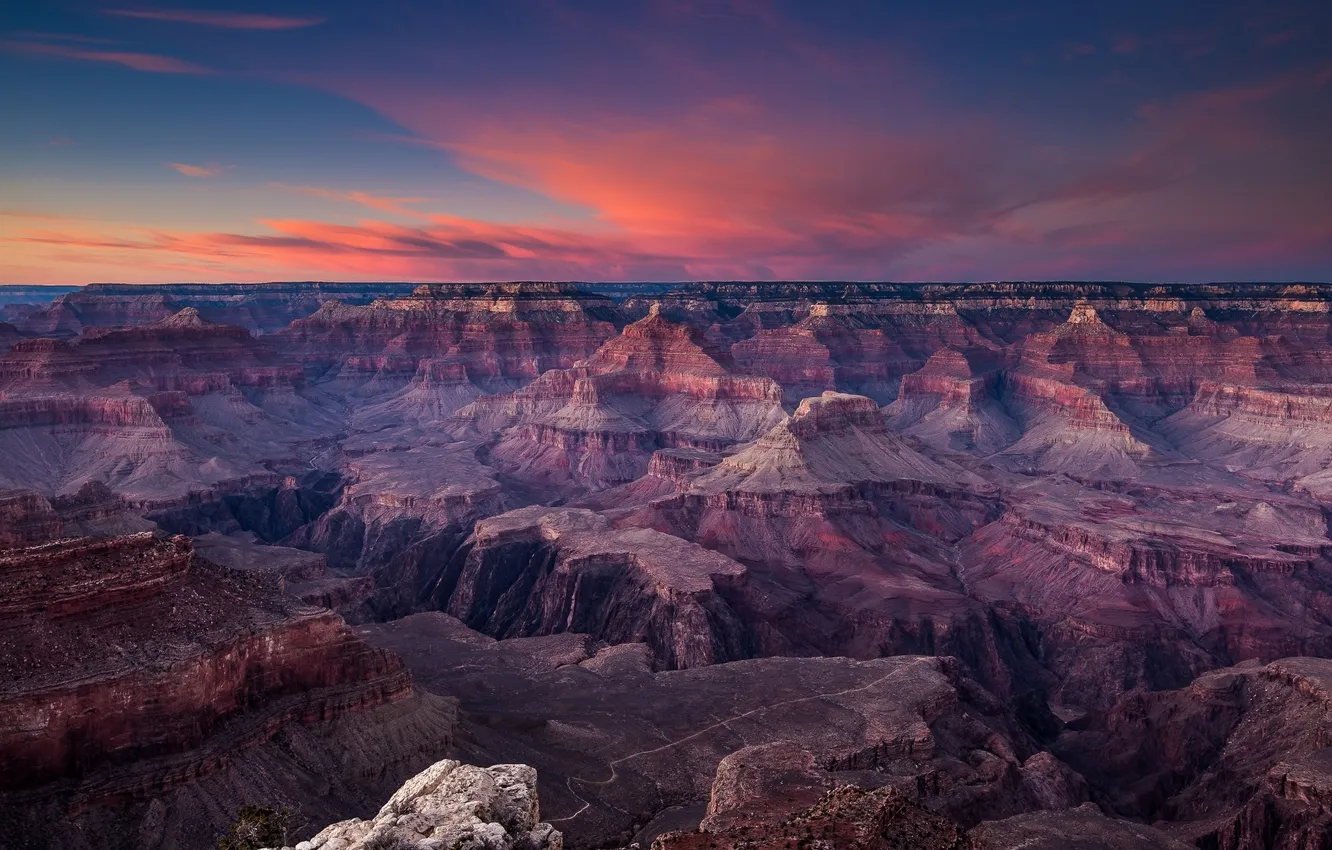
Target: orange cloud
445, 249
226, 20
149, 62
394, 206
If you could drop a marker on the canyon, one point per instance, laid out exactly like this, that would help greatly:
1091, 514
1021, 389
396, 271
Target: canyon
725, 564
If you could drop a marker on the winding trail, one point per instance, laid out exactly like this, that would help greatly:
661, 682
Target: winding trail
613, 764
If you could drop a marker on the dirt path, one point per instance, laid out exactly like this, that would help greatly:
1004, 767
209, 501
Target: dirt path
613, 764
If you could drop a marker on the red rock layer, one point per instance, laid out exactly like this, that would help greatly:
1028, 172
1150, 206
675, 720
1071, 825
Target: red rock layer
120, 650
502, 332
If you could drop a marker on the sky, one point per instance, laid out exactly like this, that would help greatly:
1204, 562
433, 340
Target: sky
1170, 140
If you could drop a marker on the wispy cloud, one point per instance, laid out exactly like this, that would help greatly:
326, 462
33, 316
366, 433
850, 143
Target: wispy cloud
379, 203
32, 35
1127, 43
150, 62
209, 170
223, 20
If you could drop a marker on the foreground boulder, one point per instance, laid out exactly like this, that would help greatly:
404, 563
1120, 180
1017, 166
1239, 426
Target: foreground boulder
451, 806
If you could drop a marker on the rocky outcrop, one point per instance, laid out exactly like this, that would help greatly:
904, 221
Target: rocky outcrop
884, 818
135, 653
1237, 759
833, 441
1082, 828
827, 349
399, 518
538, 571
846, 817
451, 805
1068, 429
952, 403
1270, 434
27, 518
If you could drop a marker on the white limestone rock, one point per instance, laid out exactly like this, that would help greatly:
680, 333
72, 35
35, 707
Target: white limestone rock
451, 806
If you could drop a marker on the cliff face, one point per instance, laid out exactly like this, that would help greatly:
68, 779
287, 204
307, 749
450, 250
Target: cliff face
952, 403
26, 518
260, 307
498, 333
1237, 759
537, 572
121, 651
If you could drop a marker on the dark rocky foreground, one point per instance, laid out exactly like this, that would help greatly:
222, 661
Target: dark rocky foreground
1019, 562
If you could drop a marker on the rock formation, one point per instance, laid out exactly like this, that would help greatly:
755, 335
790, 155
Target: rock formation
1237, 759
133, 668
451, 805
654, 386
538, 571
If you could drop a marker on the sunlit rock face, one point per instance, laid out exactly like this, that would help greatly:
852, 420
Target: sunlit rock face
667, 545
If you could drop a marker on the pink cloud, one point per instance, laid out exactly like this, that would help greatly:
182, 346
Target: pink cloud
195, 170
1126, 44
225, 20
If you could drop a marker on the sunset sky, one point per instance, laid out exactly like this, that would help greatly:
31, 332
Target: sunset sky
665, 140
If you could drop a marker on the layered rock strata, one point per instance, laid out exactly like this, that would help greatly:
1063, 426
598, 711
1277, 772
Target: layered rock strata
656, 385
121, 651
